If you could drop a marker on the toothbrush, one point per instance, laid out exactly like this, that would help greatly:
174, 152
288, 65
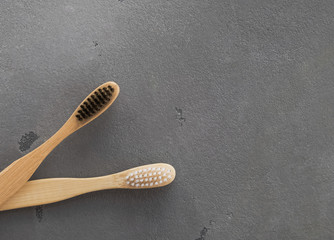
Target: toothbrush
52, 190
18, 173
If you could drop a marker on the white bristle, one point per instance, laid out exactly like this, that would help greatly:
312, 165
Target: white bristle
149, 177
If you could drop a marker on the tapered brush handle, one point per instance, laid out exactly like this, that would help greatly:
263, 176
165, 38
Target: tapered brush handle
18, 173
44, 191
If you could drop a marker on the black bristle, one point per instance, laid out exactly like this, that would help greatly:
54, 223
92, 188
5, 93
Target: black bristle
93, 104
104, 95
89, 107
107, 91
79, 117
85, 110
83, 115
96, 101
99, 97
110, 88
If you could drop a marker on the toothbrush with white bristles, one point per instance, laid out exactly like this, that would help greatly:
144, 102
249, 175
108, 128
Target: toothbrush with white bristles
44, 191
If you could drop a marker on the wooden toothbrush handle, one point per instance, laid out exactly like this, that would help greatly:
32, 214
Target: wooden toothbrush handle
18, 173
52, 190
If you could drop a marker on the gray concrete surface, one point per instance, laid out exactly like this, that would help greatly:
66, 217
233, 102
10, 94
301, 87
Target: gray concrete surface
237, 95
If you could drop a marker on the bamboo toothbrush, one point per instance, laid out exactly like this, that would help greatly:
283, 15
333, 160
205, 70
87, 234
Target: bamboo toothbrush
18, 173
52, 190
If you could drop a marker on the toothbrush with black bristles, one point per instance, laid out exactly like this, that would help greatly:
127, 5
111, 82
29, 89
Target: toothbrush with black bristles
18, 173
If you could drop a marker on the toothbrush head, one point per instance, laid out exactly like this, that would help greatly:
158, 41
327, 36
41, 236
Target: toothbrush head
97, 102
148, 176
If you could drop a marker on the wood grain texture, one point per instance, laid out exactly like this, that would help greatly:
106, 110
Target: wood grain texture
18, 173
52, 190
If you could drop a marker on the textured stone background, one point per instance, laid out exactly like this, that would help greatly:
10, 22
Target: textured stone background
237, 95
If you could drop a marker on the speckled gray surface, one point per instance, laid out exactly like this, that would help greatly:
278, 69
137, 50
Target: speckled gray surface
237, 95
